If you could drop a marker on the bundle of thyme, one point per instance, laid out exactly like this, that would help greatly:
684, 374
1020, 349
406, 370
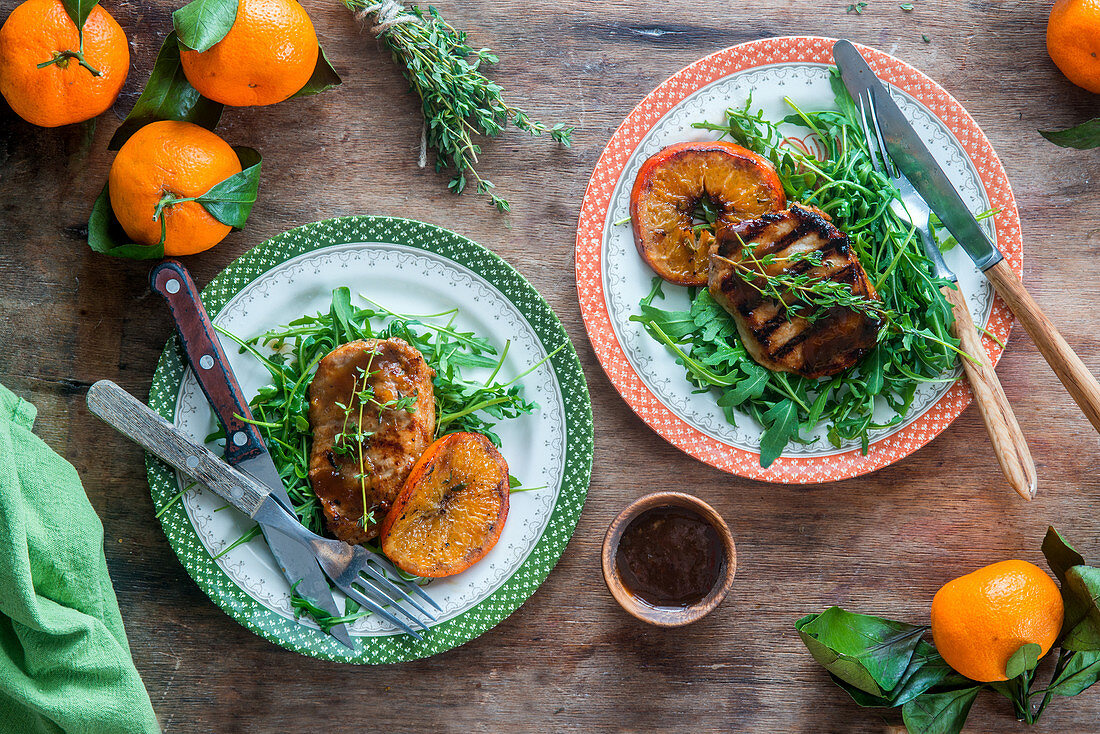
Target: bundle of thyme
458, 101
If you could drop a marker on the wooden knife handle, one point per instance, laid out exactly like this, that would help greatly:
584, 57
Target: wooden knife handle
207, 358
1008, 440
1073, 373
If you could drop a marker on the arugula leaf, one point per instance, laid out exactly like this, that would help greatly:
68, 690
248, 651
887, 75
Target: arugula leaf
1082, 137
324, 77
780, 426
751, 386
202, 23
939, 713
78, 10
676, 324
870, 653
230, 201
106, 235
341, 311
167, 96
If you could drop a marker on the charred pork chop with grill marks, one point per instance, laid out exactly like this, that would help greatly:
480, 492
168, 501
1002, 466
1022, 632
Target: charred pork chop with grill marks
392, 427
830, 343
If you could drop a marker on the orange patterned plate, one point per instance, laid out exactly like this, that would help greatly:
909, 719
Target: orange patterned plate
611, 277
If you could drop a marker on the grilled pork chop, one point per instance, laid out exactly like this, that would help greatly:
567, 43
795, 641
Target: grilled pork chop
391, 438
837, 339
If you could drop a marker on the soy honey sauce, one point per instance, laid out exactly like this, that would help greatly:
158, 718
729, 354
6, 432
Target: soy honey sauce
670, 557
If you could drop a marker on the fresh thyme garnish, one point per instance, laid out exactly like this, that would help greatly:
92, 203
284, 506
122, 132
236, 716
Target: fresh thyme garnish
458, 101
800, 294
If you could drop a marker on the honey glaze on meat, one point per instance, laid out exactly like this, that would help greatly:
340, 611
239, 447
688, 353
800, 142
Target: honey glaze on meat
367, 446
833, 342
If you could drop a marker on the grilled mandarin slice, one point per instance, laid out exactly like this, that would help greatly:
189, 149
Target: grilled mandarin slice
451, 511
670, 187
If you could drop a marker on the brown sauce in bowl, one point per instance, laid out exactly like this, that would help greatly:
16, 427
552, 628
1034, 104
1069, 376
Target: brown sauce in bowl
670, 557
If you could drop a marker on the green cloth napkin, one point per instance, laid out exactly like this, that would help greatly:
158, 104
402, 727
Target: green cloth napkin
65, 665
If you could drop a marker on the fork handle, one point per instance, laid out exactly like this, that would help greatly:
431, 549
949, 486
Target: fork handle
1008, 440
1073, 373
130, 417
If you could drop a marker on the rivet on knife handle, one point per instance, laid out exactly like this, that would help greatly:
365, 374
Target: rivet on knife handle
207, 358
133, 419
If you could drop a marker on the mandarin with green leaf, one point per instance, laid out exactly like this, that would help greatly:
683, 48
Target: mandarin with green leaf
981, 619
155, 177
267, 56
52, 74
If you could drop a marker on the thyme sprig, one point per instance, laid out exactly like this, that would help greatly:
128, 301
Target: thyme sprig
800, 294
458, 101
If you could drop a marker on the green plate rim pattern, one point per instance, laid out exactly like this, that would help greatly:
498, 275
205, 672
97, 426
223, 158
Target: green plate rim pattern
579, 443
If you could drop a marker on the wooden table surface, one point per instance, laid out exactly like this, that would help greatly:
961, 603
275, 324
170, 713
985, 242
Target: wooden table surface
569, 659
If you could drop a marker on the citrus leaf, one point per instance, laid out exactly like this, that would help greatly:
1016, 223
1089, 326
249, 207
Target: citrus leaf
78, 10
1084, 582
926, 669
870, 653
324, 77
1083, 637
1024, 659
1082, 672
202, 23
939, 713
1082, 137
230, 201
106, 236
1060, 555
167, 96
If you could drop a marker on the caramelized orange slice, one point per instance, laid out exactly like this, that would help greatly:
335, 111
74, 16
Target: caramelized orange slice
451, 510
671, 185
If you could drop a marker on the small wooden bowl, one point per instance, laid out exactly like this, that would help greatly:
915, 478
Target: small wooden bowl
667, 616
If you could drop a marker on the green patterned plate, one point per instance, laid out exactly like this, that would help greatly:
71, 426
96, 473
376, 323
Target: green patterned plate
409, 267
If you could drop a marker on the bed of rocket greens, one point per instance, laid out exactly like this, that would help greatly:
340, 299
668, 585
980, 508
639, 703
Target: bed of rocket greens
915, 344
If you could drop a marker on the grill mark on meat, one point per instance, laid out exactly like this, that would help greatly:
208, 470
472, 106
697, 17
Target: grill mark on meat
397, 437
839, 338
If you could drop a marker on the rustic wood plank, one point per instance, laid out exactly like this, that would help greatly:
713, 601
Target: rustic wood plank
569, 659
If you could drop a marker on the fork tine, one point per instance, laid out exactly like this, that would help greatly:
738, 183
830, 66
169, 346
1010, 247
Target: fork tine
364, 585
384, 584
867, 135
886, 160
375, 608
388, 568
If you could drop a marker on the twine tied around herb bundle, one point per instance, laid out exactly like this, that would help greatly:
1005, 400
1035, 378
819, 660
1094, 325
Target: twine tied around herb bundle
387, 14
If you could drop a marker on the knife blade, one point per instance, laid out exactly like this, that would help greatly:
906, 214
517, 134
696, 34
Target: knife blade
914, 160
244, 447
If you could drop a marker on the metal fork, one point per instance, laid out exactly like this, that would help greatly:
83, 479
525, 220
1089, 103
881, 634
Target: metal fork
364, 576
1008, 440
